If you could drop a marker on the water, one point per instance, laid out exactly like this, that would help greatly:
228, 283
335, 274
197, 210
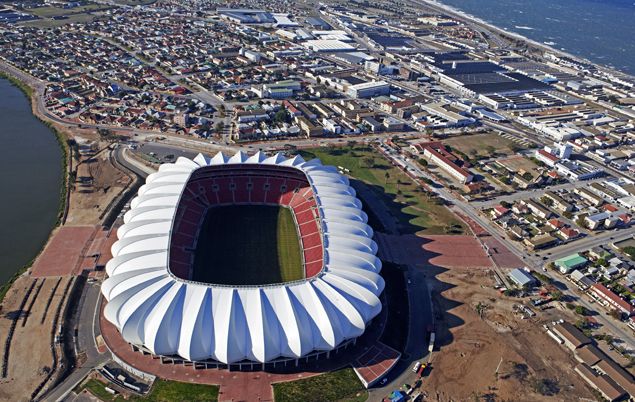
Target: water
602, 31
30, 180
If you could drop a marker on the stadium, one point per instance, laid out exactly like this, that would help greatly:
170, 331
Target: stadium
243, 259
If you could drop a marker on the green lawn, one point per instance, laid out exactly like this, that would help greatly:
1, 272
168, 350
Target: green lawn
162, 391
337, 386
48, 23
415, 210
50, 11
248, 245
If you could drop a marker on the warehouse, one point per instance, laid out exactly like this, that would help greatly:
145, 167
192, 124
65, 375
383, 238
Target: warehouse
369, 89
320, 45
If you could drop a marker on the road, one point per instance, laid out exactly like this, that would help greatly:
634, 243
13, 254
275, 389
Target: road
87, 328
519, 195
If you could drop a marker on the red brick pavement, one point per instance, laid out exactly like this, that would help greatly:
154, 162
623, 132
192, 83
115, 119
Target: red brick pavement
443, 250
501, 254
64, 253
376, 362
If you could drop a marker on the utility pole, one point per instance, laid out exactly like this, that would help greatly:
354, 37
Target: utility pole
498, 367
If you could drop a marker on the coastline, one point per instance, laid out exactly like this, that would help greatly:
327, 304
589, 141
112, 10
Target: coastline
463, 15
61, 139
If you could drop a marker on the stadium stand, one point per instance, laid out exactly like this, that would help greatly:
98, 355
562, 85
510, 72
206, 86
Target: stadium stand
248, 185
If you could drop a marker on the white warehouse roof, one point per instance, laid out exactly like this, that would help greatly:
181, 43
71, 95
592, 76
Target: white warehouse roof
319, 45
167, 315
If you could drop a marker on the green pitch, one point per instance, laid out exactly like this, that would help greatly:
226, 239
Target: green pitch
248, 245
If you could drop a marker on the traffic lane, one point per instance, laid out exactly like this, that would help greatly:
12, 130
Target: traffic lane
164, 153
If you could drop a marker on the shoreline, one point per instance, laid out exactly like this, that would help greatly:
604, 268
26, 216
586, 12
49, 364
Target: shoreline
464, 15
63, 201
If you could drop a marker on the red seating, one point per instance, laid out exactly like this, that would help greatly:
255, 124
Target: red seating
244, 184
313, 268
241, 193
224, 192
304, 217
312, 254
258, 191
285, 198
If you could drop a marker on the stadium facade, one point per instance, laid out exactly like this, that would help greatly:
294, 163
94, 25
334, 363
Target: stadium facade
155, 305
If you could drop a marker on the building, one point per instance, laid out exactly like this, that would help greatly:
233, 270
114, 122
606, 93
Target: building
368, 89
546, 158
569, 263
558, 202
583, 281
617, 373
522, 278
452, 119
308, 128
328, 46
589, 355
537, 209
589, 196
573, 338
392, 124
246, 16
611, 300
157, 307
437, 154
540, 241
602, 383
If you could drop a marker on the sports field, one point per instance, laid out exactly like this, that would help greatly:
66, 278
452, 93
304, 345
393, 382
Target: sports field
248, 245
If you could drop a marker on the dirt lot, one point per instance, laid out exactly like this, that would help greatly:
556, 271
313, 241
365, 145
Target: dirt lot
520, 164
472, 347
31, 342
483, 145
98, 183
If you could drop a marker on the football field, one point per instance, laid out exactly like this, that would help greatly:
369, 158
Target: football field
248, 245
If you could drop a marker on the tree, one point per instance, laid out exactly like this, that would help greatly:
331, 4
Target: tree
386, 177
219, 127
282, 116
480, 309
581, 310
546, 387
630, 251
616, 314
368, 162
580, 222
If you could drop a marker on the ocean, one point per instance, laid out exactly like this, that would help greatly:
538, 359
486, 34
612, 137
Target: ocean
602, 31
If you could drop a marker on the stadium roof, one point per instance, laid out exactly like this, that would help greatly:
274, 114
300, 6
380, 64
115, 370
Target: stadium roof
168, 315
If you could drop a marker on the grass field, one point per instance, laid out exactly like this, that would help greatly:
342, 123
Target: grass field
415, 212
248, 245
162, 391
50, 11
49, 23
337, 386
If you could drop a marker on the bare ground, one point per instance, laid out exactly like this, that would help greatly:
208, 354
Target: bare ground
98, 183
473, 347
30, 356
